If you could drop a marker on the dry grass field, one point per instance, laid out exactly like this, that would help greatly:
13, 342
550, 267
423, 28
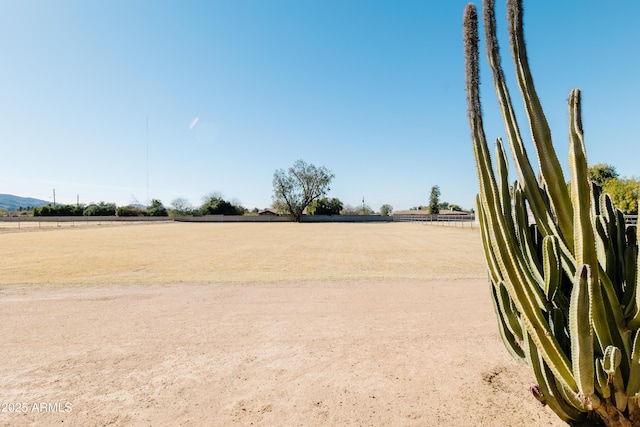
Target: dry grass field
240, 253
254, 324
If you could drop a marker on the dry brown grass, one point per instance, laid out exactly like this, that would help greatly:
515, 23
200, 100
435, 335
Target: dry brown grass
240, 253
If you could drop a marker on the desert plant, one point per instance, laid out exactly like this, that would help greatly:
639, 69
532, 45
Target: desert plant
565, 285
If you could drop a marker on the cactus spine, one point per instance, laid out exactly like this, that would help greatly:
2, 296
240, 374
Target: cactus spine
565, 288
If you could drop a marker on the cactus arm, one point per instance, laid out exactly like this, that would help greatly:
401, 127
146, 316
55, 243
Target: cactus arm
549, 165
611, 359
607, 318
551, 395
551, 266
502, 167
611, 365
619, 396
525, 171
557, 322
602, 380
510, 316
510, 341
527, 178
633, 384
615, 317
524, 234
634, 323
581, 332
584, 237
494, 270
613, 223
621, 239
602, 239
630, 256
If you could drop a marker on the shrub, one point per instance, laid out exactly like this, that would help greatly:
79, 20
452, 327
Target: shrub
100, 209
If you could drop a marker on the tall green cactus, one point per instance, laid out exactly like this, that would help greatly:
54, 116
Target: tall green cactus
564, 285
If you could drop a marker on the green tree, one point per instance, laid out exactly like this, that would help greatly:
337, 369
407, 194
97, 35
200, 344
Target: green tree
443, 206
156, 208
58, 210
601, 173
215, 205
296, 188
385, 210
325, 206
181, 207
434, 200
624, 192
130, 210
100, 209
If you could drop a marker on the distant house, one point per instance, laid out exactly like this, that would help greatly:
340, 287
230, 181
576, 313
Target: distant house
268, 211
426, 212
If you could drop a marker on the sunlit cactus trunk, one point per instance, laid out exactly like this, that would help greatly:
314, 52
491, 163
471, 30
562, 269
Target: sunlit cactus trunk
564, 286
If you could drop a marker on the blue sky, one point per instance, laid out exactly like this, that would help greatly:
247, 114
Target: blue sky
373, 90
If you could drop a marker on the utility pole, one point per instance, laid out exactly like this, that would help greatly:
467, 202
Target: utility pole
54, 197
147, 137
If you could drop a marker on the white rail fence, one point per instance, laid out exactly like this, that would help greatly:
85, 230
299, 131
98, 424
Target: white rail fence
45, 222
436, 219
26, 222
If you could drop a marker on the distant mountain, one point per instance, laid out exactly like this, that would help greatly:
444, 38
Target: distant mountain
12, 203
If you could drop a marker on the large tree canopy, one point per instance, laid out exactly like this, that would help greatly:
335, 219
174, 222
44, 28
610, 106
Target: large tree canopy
623, 191
301, 184
601, 173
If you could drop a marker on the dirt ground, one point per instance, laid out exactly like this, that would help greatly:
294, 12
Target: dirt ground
381, 347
